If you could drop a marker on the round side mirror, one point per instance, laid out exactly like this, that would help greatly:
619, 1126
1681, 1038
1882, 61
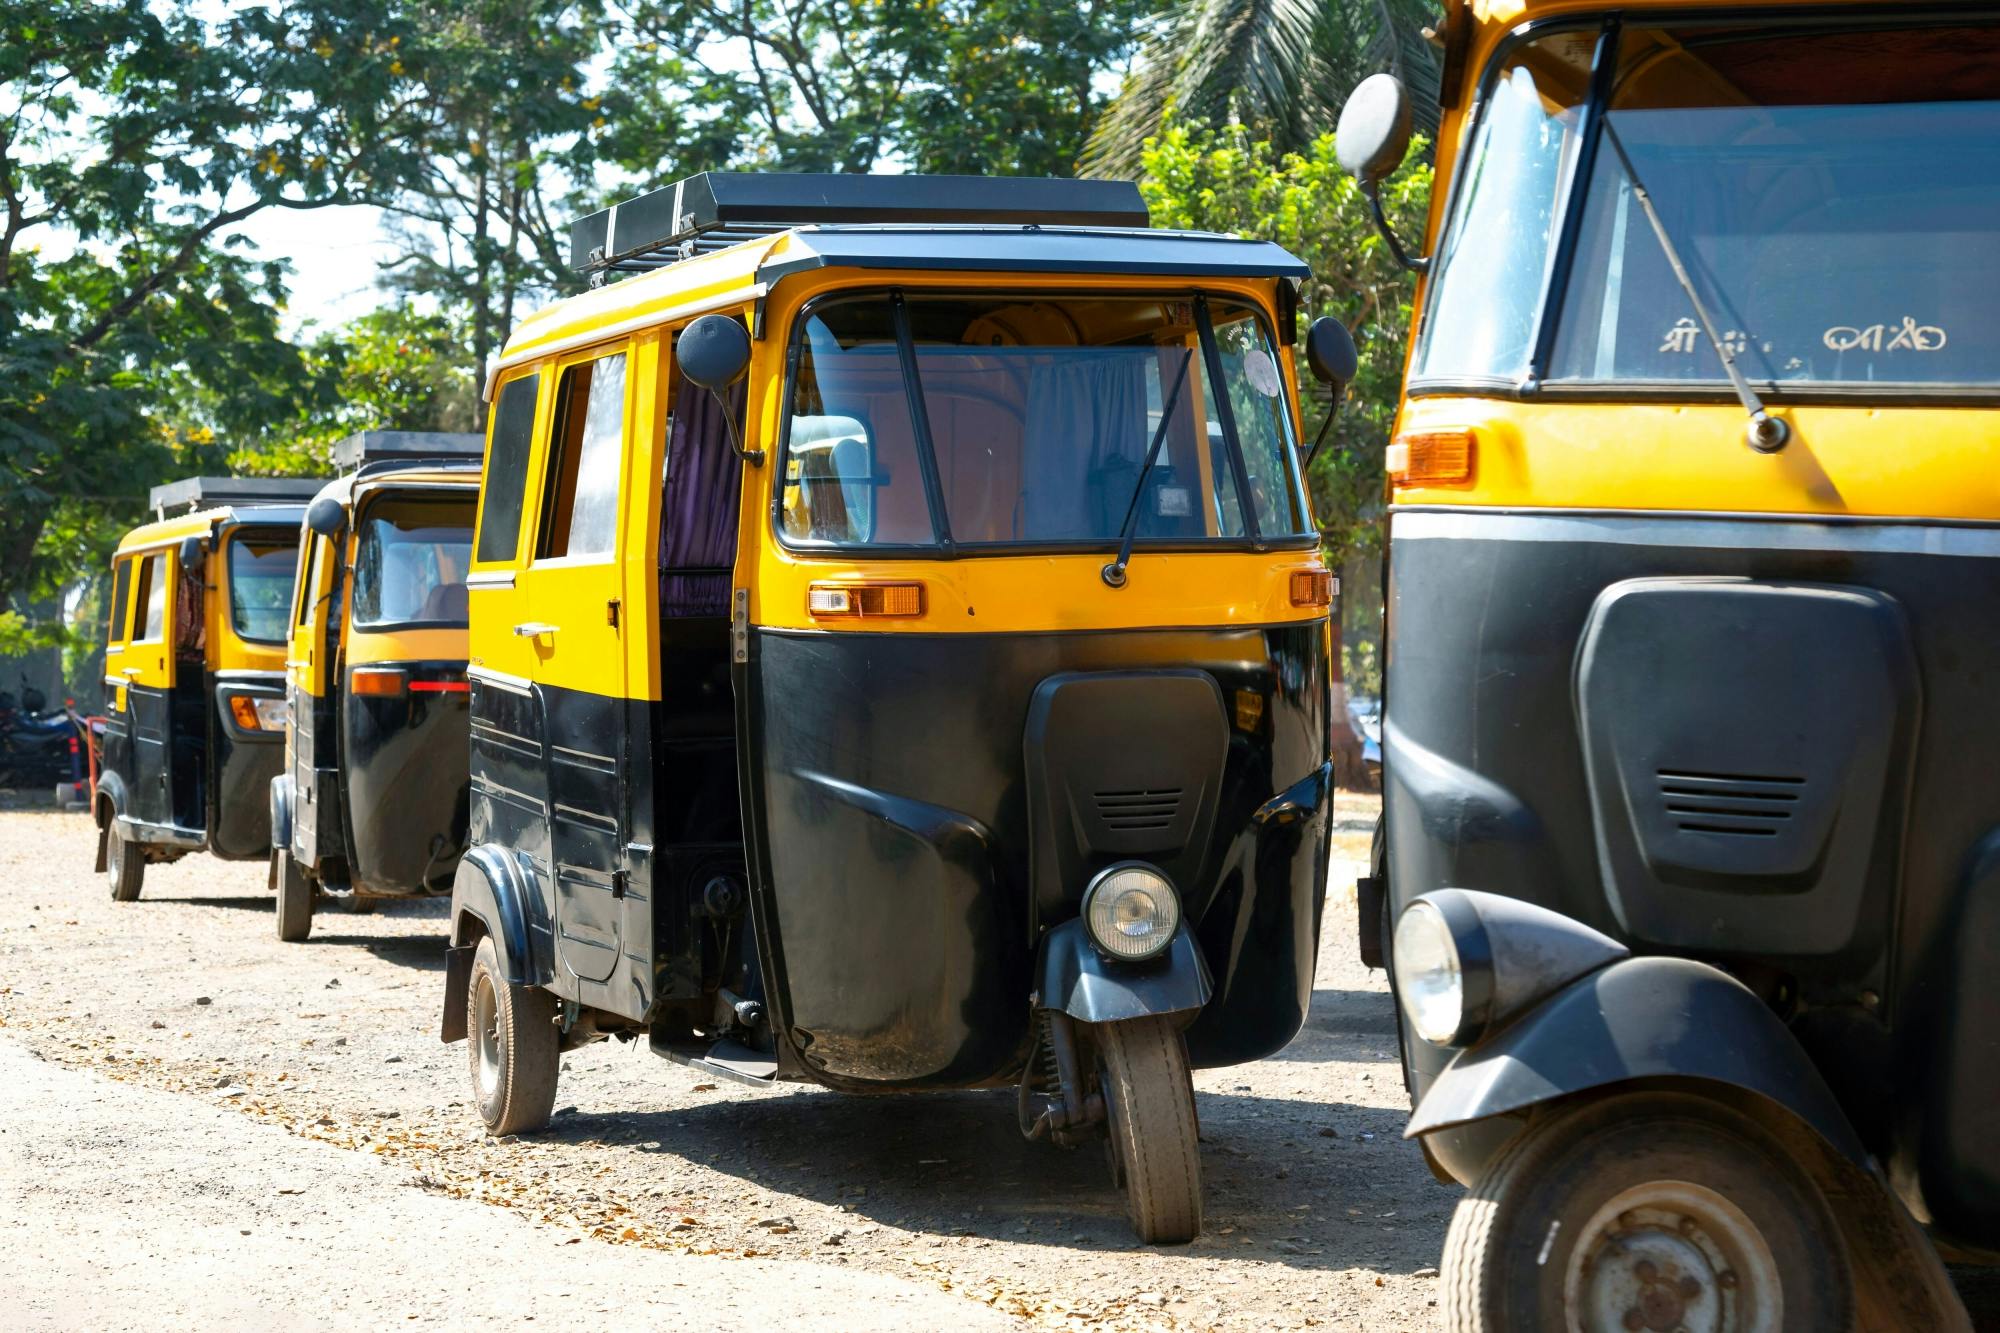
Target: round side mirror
192, 552
327, 517
1330, 353
1375, 126
714, 351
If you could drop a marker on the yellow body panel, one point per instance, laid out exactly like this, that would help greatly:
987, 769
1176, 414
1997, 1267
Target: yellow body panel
984, 594
1651, 455
404, 645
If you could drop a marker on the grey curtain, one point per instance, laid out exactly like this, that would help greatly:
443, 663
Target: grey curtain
1086, 438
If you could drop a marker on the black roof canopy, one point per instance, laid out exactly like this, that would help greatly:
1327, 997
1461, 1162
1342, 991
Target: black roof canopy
406, 446
716, 209
193, 493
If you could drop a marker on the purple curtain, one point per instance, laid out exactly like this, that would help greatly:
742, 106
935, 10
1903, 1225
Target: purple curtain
698, 504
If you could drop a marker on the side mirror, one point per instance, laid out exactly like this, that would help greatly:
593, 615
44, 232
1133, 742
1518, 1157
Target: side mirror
713, 353
192, 553
1371, 141
327, 517
1333, 360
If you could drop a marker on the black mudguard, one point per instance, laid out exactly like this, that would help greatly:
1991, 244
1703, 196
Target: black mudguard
1640, 1018
491, 896
281, 812
1091, 988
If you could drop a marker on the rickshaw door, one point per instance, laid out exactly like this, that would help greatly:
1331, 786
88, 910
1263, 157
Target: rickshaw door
574, 607
147, 667
311, 678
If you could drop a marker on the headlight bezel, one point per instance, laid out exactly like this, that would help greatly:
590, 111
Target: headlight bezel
1164, 891
1465, 934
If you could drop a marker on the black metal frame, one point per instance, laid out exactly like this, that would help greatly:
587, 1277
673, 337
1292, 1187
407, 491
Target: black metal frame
1562, 256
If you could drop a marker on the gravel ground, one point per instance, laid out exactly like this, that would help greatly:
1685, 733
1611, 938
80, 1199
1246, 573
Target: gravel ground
1318, 1214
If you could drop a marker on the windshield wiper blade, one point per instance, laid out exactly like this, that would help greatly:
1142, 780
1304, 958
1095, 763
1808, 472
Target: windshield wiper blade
1114, 573
1767, 434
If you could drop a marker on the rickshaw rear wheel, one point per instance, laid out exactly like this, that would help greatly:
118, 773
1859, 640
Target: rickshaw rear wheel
1155, 1141
514, 1045
295, 899
125, 864
1646, 1211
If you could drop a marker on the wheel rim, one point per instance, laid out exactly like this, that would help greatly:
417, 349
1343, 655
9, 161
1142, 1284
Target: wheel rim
486, 1032
1670, 1255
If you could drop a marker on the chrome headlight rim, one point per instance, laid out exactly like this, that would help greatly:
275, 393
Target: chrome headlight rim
1167, 892
1461, 923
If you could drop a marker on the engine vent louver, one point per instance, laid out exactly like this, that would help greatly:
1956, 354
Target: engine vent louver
1139, 811
1730, 804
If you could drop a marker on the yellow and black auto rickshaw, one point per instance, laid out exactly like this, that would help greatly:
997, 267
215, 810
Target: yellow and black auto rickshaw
899, 659
1692, 846
194, 675
372, 802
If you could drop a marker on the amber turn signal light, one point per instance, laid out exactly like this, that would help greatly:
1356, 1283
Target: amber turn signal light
1431, 458
864, 601
1312, 587
375, 681
244, 712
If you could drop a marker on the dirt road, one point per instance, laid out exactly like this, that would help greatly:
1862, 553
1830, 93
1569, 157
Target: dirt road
1318, 1213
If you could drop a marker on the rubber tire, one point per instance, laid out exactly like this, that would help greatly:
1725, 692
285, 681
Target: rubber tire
356, 905
1503, 1271
295, 899
124, 864
530, 1048
1142, 1071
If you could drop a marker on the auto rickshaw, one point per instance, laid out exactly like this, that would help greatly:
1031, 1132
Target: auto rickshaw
194, 675
375, 672
1689, 845
899, 659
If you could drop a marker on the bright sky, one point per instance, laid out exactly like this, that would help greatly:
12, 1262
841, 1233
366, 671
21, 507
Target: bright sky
334, 254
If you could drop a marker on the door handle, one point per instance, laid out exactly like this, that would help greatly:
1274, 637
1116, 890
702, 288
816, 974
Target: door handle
133, 671
534, 629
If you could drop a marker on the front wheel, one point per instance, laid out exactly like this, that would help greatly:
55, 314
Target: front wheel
515, 1047
1645, 1212
1142, 1072
124, 864
295, 899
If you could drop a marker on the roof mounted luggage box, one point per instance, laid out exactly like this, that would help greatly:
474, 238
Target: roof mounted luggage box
368, 447
195, 493
714, 209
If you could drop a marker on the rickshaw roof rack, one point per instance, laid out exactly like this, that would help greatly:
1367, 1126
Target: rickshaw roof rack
194, 493
714, 210
368, 447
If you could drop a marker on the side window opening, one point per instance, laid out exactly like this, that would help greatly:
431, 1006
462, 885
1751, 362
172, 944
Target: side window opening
586, 447
152, 598
121, 592
309, 588
506, 479
699, 503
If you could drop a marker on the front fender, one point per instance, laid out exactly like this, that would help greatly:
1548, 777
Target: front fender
1639, 1018
1091, 988
491, 897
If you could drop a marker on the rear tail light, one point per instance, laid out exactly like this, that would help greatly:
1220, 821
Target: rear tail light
378, 682
440, 687
1432, 458
864, 601
1312, 587
258, 713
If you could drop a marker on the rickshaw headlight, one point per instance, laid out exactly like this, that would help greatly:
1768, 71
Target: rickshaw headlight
1430, 980
1131, 912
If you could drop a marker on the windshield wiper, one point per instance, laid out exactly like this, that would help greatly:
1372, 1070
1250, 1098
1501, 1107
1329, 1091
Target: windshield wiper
1767, 434
1114, 573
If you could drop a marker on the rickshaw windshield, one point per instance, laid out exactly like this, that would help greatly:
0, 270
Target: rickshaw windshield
1011, 422
410, 562
261, 567
1828, 190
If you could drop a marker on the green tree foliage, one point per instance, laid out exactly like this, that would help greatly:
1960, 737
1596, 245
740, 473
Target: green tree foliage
1231, 180
1282, 67
133, 137
1000, 87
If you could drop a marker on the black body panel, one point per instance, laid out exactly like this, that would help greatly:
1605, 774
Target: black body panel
404, 764
891, 840
1532, 734
239, 818
149, 781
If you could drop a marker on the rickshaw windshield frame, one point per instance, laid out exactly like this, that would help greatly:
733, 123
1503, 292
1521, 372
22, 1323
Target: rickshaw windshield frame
278, 538
1205, 362
1582, 165
367, 516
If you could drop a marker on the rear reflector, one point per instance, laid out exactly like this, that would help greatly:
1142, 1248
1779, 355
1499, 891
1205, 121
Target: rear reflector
1432, 458
377, 682
1312, 587
849, 601
440, 687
